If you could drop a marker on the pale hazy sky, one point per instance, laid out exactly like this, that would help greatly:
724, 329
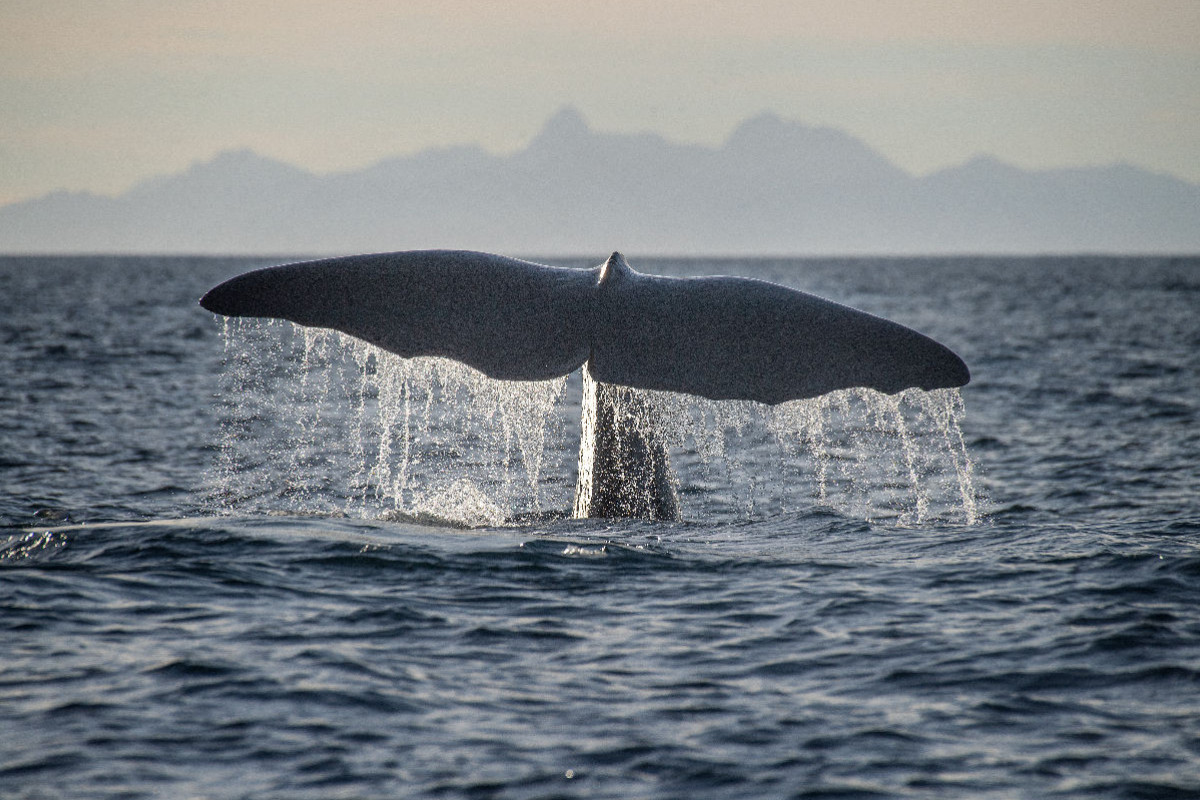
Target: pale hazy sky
99, 94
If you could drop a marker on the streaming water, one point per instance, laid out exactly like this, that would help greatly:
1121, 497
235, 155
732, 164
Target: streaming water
429, 438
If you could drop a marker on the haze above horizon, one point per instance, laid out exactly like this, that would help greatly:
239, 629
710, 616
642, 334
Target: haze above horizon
101, 96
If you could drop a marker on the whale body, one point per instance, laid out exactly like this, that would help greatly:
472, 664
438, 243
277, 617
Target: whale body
716, 337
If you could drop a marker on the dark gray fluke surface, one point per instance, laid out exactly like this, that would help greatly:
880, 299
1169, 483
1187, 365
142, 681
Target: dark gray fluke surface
510, 319
721, 338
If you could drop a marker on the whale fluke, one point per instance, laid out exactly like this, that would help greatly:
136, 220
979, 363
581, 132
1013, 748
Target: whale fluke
507, 318
729, 338
721, 338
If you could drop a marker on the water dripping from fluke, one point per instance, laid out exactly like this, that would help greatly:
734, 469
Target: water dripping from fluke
417, 384
344, 427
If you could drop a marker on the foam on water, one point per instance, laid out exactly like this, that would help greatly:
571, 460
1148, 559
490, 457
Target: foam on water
355, 430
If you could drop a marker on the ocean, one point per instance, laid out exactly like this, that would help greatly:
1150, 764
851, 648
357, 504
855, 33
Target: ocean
245, 560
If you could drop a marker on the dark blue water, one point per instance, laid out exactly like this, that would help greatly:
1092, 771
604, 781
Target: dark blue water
223, 575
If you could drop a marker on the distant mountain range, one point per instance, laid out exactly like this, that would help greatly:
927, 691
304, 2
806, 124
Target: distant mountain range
774, 187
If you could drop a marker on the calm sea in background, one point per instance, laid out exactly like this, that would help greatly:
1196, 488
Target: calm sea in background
239, 560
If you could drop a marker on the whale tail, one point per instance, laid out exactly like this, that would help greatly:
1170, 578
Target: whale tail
720, 338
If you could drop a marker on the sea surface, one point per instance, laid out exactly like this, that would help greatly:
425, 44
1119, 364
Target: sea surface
244, 560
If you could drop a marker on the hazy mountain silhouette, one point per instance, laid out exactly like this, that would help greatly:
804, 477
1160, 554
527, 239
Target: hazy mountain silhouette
774, 186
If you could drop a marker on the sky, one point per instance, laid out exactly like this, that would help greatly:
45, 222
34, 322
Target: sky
98, 96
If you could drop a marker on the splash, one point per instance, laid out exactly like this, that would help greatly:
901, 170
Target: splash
421, 422
314, 421
884, 456
318, 422
859, 452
